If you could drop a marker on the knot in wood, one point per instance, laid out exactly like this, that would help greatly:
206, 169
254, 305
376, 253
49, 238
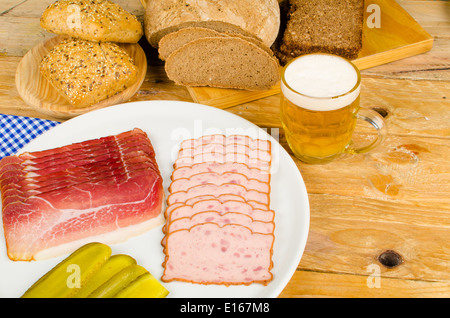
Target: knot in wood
390, 259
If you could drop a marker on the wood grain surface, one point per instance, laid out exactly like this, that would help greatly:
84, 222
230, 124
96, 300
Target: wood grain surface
380, 222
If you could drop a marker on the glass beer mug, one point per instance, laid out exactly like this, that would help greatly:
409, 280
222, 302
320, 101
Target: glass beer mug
320, 107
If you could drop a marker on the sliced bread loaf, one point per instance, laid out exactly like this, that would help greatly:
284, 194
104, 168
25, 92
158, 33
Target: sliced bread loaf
260, 18
226, 62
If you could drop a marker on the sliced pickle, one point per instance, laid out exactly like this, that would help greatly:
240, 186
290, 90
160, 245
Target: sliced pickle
145, 286
113, 265
118, 282
66, 278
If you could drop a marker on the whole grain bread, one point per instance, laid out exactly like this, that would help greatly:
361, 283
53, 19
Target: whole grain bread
322, 26
174, 40
93, 20
225, 62
260, 18
86, 72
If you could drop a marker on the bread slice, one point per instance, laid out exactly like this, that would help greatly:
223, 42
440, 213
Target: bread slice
175, 40
225, 62
87, 72
260, 18
323, 26
93, 20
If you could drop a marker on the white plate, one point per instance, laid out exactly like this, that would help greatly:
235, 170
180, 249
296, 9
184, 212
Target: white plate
167, 123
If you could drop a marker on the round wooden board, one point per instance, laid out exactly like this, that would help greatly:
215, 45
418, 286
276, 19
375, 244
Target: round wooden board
38, 93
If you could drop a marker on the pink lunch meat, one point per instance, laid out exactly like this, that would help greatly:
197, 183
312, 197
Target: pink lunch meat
220, 195
218, 179
251, 173
209, 254
184, 210
227, 140
234, 157
208, 149
216, 190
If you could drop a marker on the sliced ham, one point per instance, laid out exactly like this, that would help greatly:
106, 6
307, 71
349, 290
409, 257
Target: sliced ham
87, 202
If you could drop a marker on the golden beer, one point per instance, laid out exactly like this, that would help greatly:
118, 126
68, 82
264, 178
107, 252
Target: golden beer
319, 106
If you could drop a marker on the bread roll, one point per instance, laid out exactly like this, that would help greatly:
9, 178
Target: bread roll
260, 18
87, 72
93, 20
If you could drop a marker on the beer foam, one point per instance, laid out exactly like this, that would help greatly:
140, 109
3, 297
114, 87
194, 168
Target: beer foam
320, 82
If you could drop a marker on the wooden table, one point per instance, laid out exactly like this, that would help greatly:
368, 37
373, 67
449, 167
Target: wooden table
380, 222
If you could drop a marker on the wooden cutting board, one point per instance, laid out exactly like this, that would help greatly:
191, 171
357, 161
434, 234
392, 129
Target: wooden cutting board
398, 36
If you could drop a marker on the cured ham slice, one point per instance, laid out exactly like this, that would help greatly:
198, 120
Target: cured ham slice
219, 226
109, 191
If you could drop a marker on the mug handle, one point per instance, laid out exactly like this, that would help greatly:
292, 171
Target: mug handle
377, 121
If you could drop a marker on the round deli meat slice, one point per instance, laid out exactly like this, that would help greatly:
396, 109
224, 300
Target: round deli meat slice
209, 254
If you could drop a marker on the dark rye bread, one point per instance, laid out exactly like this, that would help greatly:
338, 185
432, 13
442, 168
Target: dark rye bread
174, 40
322, 26
225, 62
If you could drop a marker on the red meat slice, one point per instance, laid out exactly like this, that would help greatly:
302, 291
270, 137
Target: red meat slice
93, 204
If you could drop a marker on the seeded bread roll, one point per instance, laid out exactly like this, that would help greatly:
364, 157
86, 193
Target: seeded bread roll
87, 72
93, 20
226, 62
322, 26
260, 18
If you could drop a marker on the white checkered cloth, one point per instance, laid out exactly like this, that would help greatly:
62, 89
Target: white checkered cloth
17, 131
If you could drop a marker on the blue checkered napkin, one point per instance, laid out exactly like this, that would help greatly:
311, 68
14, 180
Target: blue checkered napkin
17, 131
